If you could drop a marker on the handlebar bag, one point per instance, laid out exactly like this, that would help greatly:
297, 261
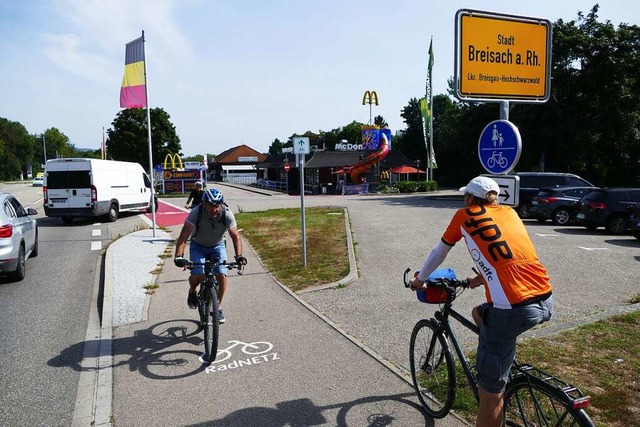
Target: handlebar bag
436, 294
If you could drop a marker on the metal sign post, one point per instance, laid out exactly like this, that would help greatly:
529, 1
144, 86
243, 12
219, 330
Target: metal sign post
304, 222
300, 148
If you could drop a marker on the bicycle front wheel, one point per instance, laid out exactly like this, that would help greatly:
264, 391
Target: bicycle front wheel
432, 369
529, 402
210, 325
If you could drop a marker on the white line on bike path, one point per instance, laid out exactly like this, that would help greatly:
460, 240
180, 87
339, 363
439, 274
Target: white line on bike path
96, 246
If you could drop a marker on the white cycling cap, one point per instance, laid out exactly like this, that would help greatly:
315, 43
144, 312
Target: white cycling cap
480, 186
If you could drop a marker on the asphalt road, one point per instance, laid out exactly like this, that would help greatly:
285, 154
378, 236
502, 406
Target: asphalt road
45, 316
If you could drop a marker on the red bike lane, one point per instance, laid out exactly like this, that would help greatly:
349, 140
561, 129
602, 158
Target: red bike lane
168, 215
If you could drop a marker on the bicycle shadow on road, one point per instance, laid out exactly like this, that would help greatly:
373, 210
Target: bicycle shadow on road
164, 351
372, 411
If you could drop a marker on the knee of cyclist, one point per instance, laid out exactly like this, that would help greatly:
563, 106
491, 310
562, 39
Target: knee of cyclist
476, 316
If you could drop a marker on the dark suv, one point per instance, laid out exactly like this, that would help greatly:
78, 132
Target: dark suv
557, 204
532, 182
607, 207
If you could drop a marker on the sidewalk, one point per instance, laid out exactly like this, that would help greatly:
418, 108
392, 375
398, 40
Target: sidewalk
285, 363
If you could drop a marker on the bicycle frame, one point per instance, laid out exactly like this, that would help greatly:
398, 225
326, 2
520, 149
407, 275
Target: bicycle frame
442, 316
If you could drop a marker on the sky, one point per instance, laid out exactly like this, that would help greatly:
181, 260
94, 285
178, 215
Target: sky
238, 72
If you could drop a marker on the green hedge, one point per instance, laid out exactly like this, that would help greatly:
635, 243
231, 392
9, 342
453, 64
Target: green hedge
416, 186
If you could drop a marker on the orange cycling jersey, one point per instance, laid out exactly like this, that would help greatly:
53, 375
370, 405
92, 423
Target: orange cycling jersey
501, 248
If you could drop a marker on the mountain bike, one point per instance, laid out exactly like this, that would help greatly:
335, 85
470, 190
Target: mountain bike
532, 397
209, 306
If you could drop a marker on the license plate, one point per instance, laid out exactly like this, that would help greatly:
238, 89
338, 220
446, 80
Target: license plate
58, 200
580, 216
534, 202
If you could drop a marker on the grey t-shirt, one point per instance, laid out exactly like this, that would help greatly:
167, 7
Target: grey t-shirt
210, 232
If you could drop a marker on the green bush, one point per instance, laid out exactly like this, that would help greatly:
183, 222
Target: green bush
416, 186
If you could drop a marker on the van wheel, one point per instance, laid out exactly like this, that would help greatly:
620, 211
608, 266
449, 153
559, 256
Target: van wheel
67, 219
113, 213
149, 210
616, 224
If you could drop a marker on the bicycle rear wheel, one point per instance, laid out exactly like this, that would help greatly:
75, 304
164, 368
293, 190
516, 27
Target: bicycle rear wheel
210, 324
530, 402
432, 369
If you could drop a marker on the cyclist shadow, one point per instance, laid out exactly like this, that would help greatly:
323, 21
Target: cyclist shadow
157, 352
372, 411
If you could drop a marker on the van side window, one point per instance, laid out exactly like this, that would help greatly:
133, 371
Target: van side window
528, 181
147, 181
574, 181
551, 180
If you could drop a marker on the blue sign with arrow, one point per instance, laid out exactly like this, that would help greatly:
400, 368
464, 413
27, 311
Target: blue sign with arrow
499, 146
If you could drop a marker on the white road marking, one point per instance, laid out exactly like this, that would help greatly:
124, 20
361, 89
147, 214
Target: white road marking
96, 246
547, 235
594, 249
96, 232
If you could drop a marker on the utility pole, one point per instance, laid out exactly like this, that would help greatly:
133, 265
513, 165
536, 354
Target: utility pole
44, 148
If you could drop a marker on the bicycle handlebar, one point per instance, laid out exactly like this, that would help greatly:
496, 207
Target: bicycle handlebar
451, 283
230, 265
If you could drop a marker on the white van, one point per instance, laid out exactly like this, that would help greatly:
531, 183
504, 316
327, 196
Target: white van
75, 188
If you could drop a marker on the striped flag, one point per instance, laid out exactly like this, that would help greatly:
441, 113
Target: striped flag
133, 92
428, 114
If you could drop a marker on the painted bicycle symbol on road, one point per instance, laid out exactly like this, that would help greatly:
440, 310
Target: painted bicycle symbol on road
252, 349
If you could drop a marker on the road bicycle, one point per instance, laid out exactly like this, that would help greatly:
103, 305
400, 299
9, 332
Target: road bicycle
532, 397
208, 304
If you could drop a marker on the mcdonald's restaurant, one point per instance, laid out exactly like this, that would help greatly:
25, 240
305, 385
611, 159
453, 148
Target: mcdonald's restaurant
325, 171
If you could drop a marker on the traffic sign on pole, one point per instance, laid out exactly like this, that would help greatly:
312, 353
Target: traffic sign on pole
301, 145
499, 146
509, 189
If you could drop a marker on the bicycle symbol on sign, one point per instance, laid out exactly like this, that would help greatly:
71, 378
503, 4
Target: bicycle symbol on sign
497, 158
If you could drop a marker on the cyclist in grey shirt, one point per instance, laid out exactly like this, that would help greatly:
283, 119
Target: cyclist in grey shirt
207, 225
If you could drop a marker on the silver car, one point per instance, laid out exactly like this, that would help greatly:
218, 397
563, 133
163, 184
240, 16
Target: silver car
18, 236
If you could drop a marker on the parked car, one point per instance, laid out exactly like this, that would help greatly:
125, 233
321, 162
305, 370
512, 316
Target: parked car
634, 222
38, 181
532, 182
607, 207
18, 236
557, 204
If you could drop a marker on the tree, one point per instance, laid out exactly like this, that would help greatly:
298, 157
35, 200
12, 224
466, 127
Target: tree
128, 140
411, 141
276, 147
380, 122
16, 149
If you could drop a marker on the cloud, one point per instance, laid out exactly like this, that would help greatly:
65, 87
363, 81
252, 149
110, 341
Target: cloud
91, 44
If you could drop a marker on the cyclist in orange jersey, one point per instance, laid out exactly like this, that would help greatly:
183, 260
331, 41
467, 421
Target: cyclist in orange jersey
516, 284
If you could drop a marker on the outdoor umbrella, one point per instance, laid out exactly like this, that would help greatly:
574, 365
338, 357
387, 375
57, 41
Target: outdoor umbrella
406, 169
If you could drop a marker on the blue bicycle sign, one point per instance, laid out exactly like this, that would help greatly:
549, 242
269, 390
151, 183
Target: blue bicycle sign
499, 146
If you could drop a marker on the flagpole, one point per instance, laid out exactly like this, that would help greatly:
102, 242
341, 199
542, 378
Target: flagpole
146, 94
